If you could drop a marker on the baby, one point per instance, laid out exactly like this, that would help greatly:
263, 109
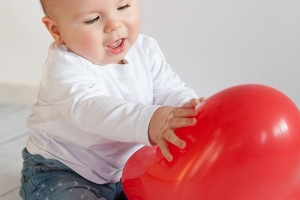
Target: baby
106, 91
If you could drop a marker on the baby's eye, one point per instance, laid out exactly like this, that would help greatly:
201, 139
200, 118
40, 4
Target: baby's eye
123, 7
92, 21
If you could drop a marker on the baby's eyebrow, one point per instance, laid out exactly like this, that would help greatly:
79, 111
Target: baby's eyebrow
82, 14
119, 1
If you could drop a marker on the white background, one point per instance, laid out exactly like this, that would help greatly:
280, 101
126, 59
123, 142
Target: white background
211, 44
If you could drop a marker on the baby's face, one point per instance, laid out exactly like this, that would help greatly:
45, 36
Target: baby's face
101, 31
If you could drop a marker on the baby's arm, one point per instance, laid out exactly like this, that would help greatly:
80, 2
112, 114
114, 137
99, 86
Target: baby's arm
162, 124
169, 90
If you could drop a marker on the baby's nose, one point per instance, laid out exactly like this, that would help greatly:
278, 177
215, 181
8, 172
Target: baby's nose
112, 25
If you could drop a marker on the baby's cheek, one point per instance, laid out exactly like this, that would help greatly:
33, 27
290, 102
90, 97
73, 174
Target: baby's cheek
90, 48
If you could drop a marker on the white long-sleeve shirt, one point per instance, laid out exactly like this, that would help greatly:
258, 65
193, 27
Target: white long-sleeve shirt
93, 118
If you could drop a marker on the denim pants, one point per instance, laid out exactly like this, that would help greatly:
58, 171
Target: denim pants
48, 179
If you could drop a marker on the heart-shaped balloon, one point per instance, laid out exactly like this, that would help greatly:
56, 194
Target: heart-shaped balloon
245, 146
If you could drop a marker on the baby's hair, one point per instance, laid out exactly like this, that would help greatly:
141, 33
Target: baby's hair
49, 6
43, 2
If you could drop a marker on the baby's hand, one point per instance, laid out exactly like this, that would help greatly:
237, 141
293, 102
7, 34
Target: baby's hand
193, 103
162, 124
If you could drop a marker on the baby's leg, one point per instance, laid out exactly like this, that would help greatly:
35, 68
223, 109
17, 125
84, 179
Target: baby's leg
47, 179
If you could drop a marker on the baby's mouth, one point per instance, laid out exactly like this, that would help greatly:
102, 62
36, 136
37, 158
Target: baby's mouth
115, 44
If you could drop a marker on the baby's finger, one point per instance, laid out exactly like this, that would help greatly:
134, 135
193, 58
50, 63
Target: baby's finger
202, 99
163, 145
194, 102
182, 122
171, 137
184, 113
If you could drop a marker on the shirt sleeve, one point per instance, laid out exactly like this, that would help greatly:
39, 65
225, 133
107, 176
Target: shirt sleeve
168, 88
74, 91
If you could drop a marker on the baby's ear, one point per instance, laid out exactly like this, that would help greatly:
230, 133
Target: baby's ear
53, 29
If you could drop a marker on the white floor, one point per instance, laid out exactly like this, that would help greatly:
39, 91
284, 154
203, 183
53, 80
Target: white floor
13, 136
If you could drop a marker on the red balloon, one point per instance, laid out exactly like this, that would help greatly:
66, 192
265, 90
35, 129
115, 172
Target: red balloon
245, 146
